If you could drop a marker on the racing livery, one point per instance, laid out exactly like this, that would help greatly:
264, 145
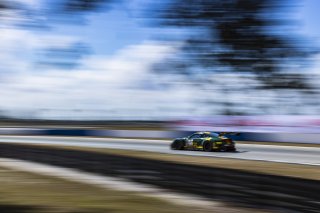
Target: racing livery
206, 141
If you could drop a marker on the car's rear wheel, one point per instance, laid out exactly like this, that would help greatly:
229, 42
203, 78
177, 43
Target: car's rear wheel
223, 149
207, 146
177, 145
232, 150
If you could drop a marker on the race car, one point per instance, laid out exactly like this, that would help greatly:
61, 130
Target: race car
206, 141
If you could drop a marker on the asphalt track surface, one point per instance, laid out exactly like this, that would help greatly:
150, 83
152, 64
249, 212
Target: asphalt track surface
273, 153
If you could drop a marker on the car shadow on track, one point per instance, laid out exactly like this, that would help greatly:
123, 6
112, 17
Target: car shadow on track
242, 151
235, 152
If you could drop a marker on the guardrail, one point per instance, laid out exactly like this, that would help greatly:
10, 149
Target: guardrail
313, 138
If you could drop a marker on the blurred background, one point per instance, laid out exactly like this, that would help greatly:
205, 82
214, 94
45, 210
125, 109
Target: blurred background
204, 61
148, 60
144, 70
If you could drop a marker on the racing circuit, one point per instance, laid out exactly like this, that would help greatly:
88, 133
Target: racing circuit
272, 153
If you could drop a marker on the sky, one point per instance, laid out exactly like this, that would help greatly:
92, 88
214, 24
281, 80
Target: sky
310, 16
115, 80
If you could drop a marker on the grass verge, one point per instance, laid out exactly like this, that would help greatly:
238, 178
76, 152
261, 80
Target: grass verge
25, 192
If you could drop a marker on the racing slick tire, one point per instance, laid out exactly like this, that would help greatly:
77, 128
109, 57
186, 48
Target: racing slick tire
207, 146
177, 145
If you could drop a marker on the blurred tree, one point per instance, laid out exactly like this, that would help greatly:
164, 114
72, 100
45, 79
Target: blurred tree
236, 35
83, 5
3, 5
70, 11
6, 5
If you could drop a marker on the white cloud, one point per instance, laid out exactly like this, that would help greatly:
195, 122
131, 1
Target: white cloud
102, 88
19, 48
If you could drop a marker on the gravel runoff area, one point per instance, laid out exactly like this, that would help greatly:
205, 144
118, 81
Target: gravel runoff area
35, 187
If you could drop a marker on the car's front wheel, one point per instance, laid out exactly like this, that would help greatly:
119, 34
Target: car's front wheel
177, 145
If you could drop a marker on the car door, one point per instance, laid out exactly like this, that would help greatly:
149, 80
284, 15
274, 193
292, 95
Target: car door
197, 141
193, 140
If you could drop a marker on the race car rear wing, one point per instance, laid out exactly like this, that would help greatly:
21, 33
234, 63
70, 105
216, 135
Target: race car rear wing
229, 133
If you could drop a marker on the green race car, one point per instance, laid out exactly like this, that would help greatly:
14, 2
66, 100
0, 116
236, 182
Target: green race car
206, 141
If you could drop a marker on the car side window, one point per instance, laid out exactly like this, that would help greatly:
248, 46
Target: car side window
195, 136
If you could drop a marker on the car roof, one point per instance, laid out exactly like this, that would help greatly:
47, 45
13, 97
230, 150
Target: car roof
203, 132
